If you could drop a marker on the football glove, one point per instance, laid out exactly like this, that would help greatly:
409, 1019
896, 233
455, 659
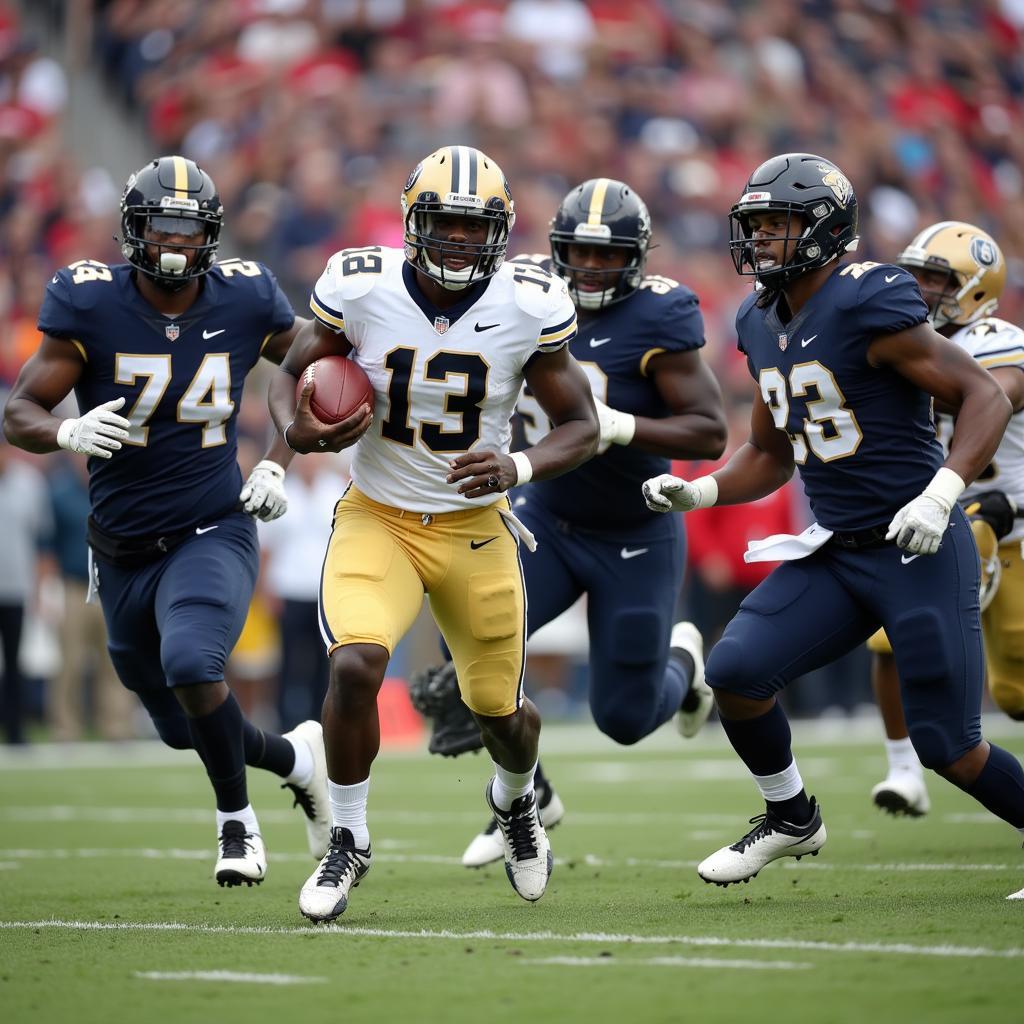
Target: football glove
99, 432
263, 494
434, 693
993, 507
667, 493
616, 427
918, 526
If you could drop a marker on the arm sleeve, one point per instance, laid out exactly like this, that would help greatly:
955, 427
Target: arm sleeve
57, 312
325, 302
559, 327
889, 301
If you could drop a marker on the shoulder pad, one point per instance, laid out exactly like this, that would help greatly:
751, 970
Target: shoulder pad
538, 292
657, 284
539, 259
859, 281
352, 273
991, 334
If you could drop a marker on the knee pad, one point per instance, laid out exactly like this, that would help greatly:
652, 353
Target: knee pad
186, 663
730, 668
934, 747
490, 684
920, 647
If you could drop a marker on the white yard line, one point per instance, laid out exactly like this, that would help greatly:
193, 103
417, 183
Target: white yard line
342, 931
241, 976
588, 859
670, 961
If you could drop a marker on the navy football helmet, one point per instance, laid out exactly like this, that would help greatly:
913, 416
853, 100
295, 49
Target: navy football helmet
796, 183
601, 211
174, 196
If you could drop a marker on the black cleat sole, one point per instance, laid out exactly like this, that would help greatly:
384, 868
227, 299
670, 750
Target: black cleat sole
231, 879
896, 805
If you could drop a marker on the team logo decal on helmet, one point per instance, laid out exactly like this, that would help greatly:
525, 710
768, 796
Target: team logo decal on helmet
984, 252
456, 181
838, 182
601, 212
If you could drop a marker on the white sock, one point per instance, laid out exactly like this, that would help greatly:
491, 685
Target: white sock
348, 810
247, 816
302, 771
782, 785
902, 757
510, 786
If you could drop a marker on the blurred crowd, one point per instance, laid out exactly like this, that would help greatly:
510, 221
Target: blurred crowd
309, 114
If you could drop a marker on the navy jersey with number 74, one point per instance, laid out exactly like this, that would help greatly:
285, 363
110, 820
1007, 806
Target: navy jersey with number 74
181, 378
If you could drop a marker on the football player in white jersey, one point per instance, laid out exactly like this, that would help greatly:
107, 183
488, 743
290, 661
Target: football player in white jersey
447, 333
961, 273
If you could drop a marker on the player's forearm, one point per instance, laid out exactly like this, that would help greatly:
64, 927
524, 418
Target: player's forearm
281, 399
29, 426
279, 452
979, 428
693, 436
565, 447
751, 473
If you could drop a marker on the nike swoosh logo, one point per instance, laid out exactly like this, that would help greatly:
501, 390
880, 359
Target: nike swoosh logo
597, 342
474, 544
204, 529
907, 561
806, 341
889, 280
626, 553
212, 334
484, 327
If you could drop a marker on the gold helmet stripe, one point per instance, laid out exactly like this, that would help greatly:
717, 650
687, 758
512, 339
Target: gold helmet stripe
597, 200
180, 177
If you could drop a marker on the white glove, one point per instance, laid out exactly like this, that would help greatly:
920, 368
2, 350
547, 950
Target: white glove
667, 493
918, 526
263, 494
99, 432
616, 427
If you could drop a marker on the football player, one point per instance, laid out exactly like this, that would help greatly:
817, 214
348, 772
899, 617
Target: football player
847, 364
639, 345
157, 350
447, 332
961, 272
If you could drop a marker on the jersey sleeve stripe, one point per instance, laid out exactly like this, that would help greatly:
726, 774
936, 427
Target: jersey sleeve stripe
647, 357
554, 346
1010, 359
549, 332
263, 343
1000, 351
326, 316
81, 348
561, 338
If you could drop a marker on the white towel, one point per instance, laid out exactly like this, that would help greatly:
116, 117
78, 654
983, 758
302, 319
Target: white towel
785, 547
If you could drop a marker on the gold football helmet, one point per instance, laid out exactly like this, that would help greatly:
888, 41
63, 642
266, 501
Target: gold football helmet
462, 181
974, 267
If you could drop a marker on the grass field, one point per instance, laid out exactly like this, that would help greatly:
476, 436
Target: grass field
108, 909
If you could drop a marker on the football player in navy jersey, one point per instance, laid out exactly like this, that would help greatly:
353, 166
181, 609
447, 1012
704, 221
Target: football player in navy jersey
167, 339
639, 344
847, 365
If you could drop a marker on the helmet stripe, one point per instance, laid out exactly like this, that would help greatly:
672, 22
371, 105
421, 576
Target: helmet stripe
473, 160
180, 177
929, 233
597, 200
456, 166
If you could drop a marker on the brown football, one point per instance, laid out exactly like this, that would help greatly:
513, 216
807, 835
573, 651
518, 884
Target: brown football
340, 387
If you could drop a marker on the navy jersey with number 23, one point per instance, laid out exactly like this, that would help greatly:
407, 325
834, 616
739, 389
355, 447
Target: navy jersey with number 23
182, 380
863, 436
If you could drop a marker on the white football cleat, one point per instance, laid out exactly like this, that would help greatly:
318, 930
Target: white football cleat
241, 856
325, 894
770, 839
1016, 895
313, 798
686, 637
902, 793
488, 846
528, 857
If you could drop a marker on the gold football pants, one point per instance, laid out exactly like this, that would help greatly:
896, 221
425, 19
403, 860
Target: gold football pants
382, 560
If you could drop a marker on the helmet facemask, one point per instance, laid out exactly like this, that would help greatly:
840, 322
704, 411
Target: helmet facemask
430, 253
619, 282
171, 269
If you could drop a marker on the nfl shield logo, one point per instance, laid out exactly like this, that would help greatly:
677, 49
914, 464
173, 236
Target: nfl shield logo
441, 324
783, 341
172, 331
